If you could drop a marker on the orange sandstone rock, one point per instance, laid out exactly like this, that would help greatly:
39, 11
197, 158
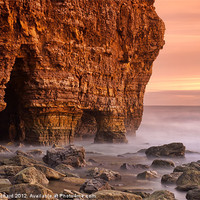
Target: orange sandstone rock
60, 59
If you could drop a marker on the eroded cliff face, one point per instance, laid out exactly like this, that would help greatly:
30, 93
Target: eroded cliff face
64, 59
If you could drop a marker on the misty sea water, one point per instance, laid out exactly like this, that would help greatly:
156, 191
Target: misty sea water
164, 124
160, 125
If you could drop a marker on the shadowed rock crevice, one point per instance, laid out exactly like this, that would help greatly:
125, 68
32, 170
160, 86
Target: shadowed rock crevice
67, 58
87, 126
10, 117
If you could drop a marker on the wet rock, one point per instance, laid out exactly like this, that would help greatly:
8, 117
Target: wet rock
4, 149
4, 183
70, 155
20, 161
35, 152
142, 194
115, 195
63, 168
10, 170
21, 153
105, 174
70, 194
191, 152
30, 175
32, 191
162, 164
127, 166
170, 178
189, 179
188, 187
72, 175
186, 167
5, 190
49, 173
193, 194
66, 170
3, 196
141, 151
94, 185
161, 195
168, 150
147, 175
74, 180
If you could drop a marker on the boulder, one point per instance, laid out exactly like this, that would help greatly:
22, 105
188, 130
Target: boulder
142, 194
35, 152
105, 174
147, 175
49, 173
161, 195
19, 160
127, 166
72, 175
4, 183
63, 168
115, 195
4, 149
31, 191
70, 155
21, 153
168, 150
162, 164
74, 180
188, 180
188, 187
94, 185
30, 175
186, 167
170, 178
10, 170
193, 194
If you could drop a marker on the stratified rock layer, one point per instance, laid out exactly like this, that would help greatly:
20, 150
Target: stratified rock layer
60, 59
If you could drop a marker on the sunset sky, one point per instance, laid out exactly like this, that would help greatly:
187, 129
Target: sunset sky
176, 72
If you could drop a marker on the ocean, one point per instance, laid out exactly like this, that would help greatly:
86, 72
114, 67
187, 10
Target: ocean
160, 125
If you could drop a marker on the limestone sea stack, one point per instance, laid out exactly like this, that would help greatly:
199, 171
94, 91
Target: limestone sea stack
64, 61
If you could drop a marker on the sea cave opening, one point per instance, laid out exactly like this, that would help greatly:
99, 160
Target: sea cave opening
10, 125
86, 127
